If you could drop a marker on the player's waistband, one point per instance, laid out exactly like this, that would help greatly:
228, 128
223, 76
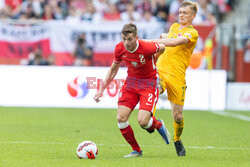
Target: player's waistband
141, 83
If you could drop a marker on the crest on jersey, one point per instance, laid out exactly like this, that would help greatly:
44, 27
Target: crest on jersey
189, 35
135, 64
179, 35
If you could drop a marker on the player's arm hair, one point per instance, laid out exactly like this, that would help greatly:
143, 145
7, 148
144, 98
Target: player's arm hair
171, 42
161, 50
110, 75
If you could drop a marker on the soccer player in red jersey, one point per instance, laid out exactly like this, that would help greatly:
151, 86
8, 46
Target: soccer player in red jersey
140, 85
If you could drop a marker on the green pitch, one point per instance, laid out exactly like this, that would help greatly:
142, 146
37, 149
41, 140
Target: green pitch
44, 137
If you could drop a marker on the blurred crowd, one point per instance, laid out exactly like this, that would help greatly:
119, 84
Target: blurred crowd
210, 11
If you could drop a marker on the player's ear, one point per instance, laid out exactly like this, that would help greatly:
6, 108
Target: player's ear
194, 16
136, 37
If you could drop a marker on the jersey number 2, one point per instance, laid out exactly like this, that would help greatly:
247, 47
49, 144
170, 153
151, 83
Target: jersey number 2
150, 97
142, 59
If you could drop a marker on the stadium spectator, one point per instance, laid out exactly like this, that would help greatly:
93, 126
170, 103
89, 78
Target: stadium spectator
90, 14
113, 14
30, 12
51, 59
205, 13
36, 58
63, 4
149, 17
13, 4
72, 16
48, 13
83, 53
143, 6
122, 5
37, 6
160, 10
58, 13
130, 14
6, 13
101, 6
180, 43
138, 56
78, 4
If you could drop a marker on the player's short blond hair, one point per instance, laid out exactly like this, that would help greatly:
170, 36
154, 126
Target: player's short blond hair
193, 5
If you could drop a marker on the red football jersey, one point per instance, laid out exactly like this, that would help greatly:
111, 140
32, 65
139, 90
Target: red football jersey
140, 62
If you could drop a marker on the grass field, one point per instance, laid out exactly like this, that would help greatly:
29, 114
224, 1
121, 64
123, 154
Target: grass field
43, 137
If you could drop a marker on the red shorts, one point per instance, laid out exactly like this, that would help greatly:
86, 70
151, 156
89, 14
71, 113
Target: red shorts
130, 96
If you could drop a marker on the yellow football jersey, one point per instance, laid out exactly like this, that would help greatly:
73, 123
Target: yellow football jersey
175, 60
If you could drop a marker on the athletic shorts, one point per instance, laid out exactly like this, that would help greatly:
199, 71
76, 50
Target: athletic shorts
176, 88
131, 96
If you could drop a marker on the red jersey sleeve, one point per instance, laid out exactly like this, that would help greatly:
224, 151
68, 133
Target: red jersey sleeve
151, 47
118, 53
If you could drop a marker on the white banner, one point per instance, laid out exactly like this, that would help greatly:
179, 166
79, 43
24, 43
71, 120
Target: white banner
43, 86
238, 96
63, 35
102, 36
14, 33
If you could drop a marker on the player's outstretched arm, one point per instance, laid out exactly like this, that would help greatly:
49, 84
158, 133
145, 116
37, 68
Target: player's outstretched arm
109, 77
171, 42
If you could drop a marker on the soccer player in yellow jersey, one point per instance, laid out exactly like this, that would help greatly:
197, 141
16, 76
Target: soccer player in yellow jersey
172, 64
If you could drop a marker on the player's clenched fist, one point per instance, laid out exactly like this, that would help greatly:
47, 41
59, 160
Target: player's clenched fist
98, 95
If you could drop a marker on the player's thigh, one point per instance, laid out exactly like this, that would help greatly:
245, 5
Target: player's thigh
128, 98
162, 82
123, 113
176, 90
148, 99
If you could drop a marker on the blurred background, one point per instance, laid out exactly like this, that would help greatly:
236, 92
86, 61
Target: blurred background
84, 33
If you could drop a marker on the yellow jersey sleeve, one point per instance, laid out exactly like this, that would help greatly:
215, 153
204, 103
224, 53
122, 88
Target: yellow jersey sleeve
192, 35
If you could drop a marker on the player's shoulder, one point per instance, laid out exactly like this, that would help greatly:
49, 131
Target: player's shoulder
143, 42
119, 48
175, 25
146, 44
192, 29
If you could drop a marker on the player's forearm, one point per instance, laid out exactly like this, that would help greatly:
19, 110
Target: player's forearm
167, 42
171, 42
109, 77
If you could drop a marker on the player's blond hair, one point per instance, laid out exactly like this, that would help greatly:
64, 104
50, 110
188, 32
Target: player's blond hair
129, 28
193, 5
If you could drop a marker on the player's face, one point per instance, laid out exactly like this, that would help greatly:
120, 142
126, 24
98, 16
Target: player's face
129, 41
186, 15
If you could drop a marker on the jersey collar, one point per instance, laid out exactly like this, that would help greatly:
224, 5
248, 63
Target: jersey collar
137, 45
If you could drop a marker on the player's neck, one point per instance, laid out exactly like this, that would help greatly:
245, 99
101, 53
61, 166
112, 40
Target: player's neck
135, 48
184, 25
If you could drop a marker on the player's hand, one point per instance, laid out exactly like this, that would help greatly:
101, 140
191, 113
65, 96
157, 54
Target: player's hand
98, 95
163, 35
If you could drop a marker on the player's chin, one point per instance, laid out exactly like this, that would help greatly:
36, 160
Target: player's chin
128, 47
